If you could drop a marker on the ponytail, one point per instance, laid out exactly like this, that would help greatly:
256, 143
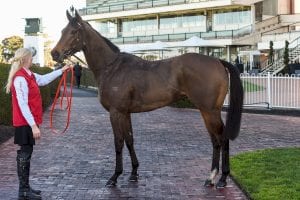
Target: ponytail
21, 55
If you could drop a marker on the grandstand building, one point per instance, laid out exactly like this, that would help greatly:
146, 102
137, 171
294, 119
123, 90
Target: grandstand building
226, 28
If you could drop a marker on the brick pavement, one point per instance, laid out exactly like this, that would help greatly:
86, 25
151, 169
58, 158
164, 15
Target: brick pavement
172, 146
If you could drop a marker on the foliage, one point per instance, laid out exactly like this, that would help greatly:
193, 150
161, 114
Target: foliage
271, 53
286, 59
87, 78
5, 99
1, 52
10, 45
150, 57
183, 102
268, 174
47, 92
47, 52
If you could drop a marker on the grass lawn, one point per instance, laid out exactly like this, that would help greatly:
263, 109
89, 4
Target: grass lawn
251, 87
268, 174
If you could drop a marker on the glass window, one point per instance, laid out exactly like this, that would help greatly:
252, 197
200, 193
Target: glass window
130, 25
105, 27
226, 20
183, 21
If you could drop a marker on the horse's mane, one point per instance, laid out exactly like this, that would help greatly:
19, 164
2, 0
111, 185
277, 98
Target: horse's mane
107, 41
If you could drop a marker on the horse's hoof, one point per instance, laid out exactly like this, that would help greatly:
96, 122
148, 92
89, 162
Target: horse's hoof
134, 178
208, 183
221, 184
111, 183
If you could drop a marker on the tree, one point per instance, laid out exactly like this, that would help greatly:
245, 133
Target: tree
47, 53
10, 45
271, 54
1, 51
286, 59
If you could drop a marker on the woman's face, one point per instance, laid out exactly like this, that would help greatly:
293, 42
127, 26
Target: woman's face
28, 62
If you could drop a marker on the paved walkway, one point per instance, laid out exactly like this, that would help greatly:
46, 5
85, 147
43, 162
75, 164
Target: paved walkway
172, 146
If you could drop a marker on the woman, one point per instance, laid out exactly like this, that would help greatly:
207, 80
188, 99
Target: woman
27, 113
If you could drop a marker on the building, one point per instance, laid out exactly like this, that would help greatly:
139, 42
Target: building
34, 39
228, 28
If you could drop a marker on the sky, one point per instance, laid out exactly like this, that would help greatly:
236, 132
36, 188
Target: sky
52, 12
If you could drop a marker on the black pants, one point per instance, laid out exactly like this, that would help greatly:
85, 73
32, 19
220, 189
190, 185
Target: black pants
26, 148
78, 81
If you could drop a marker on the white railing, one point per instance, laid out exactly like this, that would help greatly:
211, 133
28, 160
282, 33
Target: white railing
271, 91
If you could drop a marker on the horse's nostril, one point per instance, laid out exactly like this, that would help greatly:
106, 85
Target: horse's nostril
55, 55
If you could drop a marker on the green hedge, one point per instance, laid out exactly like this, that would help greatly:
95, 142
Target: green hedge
47, 92
87, 78
184, 102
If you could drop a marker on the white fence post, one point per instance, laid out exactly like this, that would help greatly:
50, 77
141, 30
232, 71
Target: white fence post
269, 90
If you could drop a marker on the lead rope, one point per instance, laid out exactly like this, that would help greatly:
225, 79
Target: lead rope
63, 81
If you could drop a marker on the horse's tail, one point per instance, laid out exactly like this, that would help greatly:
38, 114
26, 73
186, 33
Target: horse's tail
234, 113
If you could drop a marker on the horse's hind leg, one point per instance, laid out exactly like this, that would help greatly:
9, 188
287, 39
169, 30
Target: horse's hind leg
215, 161
215, 128
225, 164
130, 146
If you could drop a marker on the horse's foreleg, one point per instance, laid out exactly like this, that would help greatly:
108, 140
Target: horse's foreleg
118, 122
130, 146
225, 164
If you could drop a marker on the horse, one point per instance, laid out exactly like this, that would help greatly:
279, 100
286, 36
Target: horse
129, 84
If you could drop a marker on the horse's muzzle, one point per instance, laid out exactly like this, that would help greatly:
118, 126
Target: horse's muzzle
56, 55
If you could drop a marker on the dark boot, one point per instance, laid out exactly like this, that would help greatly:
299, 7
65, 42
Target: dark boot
34, 191
23, 165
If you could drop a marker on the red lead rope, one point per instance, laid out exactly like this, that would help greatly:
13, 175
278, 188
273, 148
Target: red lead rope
63, 81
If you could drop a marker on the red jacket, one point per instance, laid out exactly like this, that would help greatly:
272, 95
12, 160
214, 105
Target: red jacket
34, 100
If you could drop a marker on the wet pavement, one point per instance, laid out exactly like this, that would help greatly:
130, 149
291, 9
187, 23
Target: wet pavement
172, 146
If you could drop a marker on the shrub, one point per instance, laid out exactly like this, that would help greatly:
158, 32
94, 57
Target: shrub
88, 78
183, 102
47, 92
5, 99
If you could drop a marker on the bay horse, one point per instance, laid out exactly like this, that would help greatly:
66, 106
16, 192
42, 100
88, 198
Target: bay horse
128, 84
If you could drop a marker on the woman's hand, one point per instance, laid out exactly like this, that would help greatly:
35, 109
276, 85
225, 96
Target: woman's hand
66, 67
36, 132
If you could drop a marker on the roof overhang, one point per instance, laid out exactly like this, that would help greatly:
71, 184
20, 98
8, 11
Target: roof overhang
246, 2
159, 10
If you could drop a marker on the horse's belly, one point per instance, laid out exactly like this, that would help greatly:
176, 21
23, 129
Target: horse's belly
148, 102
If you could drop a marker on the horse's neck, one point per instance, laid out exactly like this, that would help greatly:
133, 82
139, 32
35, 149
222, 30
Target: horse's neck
98, 55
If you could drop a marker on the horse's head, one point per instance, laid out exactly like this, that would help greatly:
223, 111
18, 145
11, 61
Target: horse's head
71, 40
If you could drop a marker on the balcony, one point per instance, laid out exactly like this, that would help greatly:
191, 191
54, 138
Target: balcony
228, 34
114, 6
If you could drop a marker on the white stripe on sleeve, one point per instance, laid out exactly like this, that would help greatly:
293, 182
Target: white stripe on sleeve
21, 88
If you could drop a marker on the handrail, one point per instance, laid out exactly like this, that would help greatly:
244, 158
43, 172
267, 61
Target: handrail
177, 36
280, 53
100, 8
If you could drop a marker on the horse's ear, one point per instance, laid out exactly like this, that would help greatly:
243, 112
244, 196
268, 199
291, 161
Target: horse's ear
69, 16
77, 16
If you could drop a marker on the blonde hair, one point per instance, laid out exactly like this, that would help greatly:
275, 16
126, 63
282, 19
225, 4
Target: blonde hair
21, 56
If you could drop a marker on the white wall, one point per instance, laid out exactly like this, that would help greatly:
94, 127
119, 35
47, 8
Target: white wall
297, 6
38, 43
